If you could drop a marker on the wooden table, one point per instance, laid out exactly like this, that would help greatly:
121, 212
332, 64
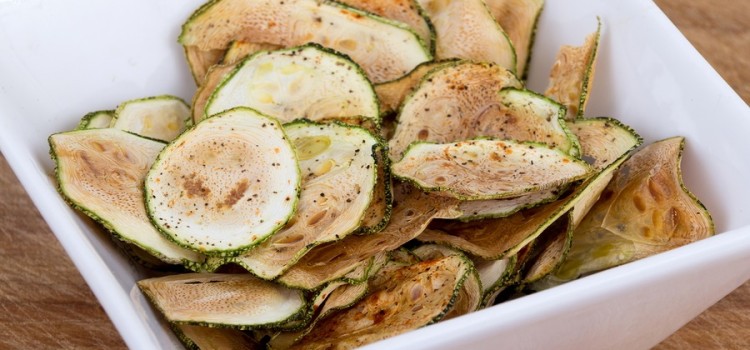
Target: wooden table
44, 302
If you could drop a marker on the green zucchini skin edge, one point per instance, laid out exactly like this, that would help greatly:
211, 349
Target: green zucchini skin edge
416, 183
240, 250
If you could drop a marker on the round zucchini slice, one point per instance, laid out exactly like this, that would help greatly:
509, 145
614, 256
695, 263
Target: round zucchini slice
225, 185
389, 49
488, 169
339, 175
159, 117
96, 120
286, 84
603, 140
498, 208
100, 172
466, 29
239, 301
453, 102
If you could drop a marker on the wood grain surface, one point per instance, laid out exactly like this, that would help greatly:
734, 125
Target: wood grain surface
45, 304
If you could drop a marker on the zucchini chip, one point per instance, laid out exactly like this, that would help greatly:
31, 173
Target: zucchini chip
488, 169
96, 120
572, 75
603, 140
100, 172
208, 338
519, 19
378, 213
646, 209
238, 301
405, 11
225, 185
470, 296
338, 178
286, 84
390, 50
216, 74
456, 101
159, 117
466, 29
391, 94
412, 211
409, 298
200, 61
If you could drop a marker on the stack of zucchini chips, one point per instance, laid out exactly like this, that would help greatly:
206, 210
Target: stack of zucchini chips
349, 171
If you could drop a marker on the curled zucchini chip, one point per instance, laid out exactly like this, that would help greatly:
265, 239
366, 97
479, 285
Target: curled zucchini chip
391, 94
470, 295
96, 120
519, 19
225, 185
216, 74
208, 338
335, 296
495, 276
100, 172
550, 249
454, 102
390, 51
644, 210
405, 11
466, 29
159, 117
339, 175
488, 169
286, 84
603, 140
223, 300
200, 61
409, 298
412, 211
572, 75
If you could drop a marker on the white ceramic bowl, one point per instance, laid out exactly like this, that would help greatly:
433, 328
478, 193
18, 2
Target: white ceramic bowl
60, 60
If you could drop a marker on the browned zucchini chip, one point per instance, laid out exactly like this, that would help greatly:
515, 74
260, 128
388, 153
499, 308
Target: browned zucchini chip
466, 29
391, 50
237, 301
550, 249
454, 102
100, 172
572, 75
428, 290
519, 19
200, 61
646, 209
488, 169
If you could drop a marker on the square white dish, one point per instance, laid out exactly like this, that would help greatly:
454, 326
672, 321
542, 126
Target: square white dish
60, 60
